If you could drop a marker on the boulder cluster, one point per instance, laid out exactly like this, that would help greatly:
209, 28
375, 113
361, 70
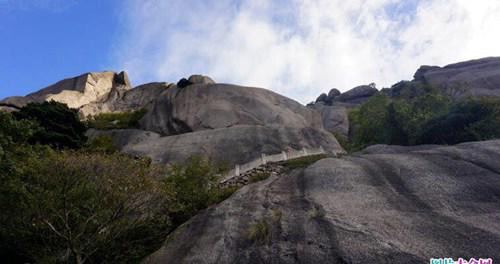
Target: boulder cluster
356, 95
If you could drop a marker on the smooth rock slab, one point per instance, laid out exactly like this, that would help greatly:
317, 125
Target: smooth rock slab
372, 208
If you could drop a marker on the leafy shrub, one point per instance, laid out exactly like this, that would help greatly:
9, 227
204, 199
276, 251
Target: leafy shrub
316, 213
369, 123
14, 132
103, 144
196, 186
122, 120
61, 126
259, 232
260, 176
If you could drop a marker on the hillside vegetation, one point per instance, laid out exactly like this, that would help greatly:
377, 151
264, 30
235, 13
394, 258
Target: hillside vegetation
429, 118
64, 200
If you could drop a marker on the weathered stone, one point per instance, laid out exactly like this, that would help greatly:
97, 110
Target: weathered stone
200, 79
357, 94
470, 78
374, 208
94, 93
234, 145
210, 106
334, 117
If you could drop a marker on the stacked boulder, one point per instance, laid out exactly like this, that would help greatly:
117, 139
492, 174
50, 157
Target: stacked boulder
334, 106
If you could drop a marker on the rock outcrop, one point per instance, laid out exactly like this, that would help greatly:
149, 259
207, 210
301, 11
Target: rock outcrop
334, 106
367, 208
353, 97
94, 93
358, 94
470, 78
335, 117
83, 90
233, 145
202, 106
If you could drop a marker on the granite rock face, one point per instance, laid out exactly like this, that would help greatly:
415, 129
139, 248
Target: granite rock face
358, 94
367, 208
94, 93
470, 78
335, 117
83, 90
210, 106
234, 145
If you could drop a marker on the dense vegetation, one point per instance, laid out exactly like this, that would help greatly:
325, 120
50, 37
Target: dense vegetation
120, 120
59, 126
63, 202
429, 118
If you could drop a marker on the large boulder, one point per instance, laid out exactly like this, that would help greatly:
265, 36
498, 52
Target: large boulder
234, 145
200, 79
84, 89
357, 94
470, 78
373, 208
333, 93
209, 106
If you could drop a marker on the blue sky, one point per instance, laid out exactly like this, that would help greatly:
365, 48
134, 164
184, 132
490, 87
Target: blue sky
298, 48
45, 41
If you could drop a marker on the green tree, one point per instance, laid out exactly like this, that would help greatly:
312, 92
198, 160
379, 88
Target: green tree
61, 126
471, 120
369, 123
196, 186
82, 207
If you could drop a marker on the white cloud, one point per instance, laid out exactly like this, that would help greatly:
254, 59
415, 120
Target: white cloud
301, 48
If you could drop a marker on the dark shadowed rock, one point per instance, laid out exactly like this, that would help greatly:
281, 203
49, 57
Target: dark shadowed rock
322, 98
210, 106
374, 208
183, 83
238, 144
333, 93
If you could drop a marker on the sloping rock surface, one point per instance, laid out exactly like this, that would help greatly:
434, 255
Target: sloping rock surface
234, 145
202, 106
367, 208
